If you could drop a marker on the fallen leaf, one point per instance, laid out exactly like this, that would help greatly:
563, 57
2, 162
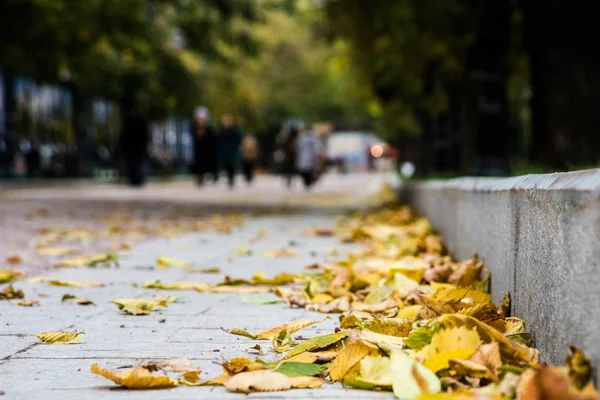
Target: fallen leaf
270, 334
139, 306
295, 369
68, 296
94, 260
256, 348
317, 343
213, 270
411, 379
14, 259
183, 285
580, 368
454, 343
25, 303
136, 378
350, 356
80, 284
9, 292
166, 262
60, 337
82, 302
258, 381
181, 366
8, 275
56, 251
283, 341
307, 382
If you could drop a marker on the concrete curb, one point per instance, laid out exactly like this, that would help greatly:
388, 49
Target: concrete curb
540, 236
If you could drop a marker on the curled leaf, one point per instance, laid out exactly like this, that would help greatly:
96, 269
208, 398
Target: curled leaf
9, 292
136, 378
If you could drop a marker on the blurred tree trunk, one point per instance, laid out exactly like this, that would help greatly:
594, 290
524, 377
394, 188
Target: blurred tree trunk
82, 120
565, 78
488, 65
10, 134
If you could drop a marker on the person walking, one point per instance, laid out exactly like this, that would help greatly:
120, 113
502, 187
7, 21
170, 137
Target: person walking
306, 157
206, 146
135, 133
289, 154
230, 138
249, 153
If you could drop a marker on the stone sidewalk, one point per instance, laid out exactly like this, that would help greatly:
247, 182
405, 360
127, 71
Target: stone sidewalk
189, 328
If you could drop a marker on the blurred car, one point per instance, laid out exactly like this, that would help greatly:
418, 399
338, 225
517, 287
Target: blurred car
357, 151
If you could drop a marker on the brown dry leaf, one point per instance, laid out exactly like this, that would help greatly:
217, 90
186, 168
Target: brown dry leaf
339, 305
25, 303
467, 273
307, 382
258, 381
14, 259
280, 253
60, 337
9, 292
136, 378
322, 232
56, 251
80, 284
349, 357
550, 383
488, 355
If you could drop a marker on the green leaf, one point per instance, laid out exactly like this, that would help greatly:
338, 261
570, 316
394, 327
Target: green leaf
319, 342
420, 337
67, 296
293, 369
379, 295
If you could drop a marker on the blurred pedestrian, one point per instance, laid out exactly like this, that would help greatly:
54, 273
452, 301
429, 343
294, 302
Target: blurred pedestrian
206, 146
289, 154
306, 156
134, 142
230, 138
249, 153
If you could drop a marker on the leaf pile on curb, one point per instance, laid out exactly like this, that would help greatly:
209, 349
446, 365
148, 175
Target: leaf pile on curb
412, 321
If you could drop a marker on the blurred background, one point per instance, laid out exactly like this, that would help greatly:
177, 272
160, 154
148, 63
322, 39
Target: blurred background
494, 87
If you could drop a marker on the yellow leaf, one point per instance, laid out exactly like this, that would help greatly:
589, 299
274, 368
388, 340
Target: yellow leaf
375, 308
307, 382
80, 284
60, 337
511, 351
446, 344
376, 370
213, 270
388, 326
56, 251
377, 338
270, 334
84, 261
258, 381
411, 379
321, 298
469, 368
467, 296
441, 361
136, 378
349, 356
182, 285
139, 306
409, 312
8, 275
279, 279
166, 262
